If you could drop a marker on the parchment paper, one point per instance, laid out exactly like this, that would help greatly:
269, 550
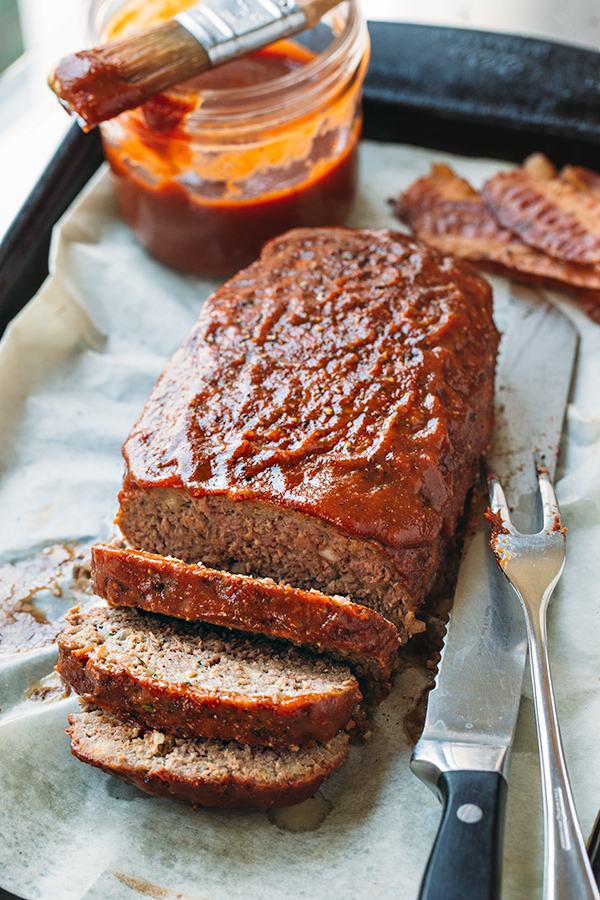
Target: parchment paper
75, 370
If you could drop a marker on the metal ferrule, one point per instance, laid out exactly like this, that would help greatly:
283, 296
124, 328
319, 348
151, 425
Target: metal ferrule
431, 758
231, 28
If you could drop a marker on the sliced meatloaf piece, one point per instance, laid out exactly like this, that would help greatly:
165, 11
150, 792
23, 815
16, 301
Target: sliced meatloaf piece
199, 771
354, 634
196, 680
323, 422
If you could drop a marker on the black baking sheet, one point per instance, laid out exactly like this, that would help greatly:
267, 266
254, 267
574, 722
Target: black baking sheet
468, 92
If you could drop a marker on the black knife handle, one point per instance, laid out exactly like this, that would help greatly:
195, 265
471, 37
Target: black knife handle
594, 850
466, 860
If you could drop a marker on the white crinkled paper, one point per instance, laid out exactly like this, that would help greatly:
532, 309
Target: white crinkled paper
76, 367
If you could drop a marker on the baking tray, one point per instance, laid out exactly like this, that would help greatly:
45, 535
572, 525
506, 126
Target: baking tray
469, 92
424, 87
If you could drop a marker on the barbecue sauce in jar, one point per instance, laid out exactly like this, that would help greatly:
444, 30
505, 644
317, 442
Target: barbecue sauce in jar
206, 173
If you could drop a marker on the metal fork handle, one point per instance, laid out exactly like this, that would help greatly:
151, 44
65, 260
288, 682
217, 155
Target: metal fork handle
568, 874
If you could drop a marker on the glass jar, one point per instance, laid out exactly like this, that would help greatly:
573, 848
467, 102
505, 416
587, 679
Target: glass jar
204, 174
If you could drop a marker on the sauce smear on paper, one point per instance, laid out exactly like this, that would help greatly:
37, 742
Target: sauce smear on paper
23, 625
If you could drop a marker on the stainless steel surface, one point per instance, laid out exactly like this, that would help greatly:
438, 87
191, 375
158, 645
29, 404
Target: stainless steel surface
533, 563
472, 710
230, 28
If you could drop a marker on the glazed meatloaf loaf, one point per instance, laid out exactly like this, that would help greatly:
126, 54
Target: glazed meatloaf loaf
353, 634
199, 771
194, 680
322, 423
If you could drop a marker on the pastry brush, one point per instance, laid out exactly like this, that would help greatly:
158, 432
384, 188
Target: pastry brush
98, 84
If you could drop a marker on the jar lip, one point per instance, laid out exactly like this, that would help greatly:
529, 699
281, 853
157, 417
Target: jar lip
237, 100
306, 73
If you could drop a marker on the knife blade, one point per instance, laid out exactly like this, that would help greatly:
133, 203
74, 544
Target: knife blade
463, 752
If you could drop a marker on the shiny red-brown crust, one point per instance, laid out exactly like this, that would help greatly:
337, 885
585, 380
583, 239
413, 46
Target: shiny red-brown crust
445, 210
548, 213
356, 634
347, 376
265, 781
276, 719
581, 179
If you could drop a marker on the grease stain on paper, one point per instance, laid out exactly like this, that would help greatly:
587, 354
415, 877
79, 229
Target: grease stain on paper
155, 891
24, 623
306, 816
48, 689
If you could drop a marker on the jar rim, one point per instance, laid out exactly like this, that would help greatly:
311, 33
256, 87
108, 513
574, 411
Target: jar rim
226, 103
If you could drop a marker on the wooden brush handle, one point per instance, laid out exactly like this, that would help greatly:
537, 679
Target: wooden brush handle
314, 10
98, 84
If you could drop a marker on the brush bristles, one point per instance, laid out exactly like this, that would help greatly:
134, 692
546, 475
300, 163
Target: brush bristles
157, 58
98, 84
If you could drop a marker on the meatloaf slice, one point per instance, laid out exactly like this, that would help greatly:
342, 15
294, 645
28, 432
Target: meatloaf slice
351, 633
323, 422
199, 771
195, 680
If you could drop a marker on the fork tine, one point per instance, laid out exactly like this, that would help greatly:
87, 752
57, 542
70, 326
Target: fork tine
498, 503
552, 518
533, 563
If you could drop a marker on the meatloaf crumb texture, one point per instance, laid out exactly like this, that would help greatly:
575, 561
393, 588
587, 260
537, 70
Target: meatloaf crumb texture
322, 423
355, 634
201, 772
196, 680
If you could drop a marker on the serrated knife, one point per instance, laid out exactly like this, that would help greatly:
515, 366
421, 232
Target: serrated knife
463, 752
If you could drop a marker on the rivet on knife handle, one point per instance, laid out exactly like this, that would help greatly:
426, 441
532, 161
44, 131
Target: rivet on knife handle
472, 710
466, 860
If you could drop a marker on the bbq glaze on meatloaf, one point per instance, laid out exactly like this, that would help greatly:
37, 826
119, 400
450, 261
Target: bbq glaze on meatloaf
191, 679
356, 635
322, 423
201, 772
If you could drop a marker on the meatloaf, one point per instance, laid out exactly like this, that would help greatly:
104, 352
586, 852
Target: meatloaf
322, 423
201, 772
194, 680
354, 634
